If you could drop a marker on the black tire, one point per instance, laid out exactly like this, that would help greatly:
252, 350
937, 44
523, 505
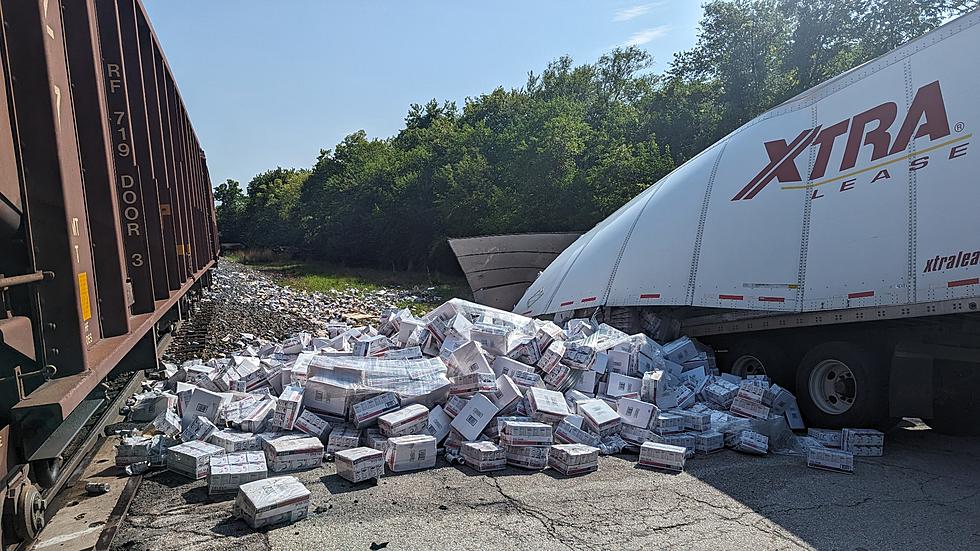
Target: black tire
770, 355
956, 408
869, 394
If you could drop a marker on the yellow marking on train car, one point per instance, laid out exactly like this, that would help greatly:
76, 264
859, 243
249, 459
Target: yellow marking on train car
83, 296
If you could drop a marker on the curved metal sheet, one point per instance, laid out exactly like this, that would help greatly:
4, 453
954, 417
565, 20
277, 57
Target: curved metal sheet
503, 298
499, 268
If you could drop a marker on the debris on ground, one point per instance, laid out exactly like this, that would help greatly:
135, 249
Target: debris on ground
485, 387
97, 488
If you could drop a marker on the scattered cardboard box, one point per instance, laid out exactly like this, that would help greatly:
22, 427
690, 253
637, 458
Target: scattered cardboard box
271, 501
360, 464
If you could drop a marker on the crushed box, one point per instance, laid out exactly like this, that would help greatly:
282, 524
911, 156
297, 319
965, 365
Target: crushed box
133, 449
199, 429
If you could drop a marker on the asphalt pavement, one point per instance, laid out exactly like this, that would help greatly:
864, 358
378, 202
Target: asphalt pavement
924, 493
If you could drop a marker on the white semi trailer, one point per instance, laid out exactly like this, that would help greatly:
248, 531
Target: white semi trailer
832, 242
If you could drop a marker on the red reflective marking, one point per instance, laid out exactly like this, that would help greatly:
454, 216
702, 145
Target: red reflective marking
589, 299
731, 297
862, 294
650, 295
567, 303
963, 282
772, 299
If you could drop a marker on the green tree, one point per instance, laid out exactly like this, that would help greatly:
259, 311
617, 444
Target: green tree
571, 146
230, 210
272, 196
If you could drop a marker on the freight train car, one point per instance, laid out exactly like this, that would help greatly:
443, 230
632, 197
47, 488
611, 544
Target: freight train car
107, 226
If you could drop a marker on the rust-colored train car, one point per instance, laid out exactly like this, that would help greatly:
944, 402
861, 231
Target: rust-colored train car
107, 224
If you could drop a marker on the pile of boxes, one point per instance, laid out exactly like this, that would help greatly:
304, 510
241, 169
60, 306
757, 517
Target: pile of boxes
488, 388
835, 450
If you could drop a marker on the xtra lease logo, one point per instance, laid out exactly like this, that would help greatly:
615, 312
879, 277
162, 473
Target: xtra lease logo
926, 117
961, 259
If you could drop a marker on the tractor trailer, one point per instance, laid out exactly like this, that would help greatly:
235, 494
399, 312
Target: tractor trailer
832, 243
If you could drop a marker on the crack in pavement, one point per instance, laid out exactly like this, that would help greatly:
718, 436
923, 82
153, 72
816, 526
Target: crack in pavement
547, 522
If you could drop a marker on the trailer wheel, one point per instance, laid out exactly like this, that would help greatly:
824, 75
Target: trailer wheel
839, 384
759, 357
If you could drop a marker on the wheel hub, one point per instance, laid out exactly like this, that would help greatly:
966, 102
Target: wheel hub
748, 365
29, 512
832, 387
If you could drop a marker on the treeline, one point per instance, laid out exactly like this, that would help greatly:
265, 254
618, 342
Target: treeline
568, 148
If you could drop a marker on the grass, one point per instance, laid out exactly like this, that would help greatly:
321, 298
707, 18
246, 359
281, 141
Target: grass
326, 277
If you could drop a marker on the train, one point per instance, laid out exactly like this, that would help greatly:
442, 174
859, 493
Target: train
107, 228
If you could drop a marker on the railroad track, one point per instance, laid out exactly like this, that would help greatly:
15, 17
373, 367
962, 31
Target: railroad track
185, 340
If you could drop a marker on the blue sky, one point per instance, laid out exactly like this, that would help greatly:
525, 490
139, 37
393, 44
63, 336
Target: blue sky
270, 83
